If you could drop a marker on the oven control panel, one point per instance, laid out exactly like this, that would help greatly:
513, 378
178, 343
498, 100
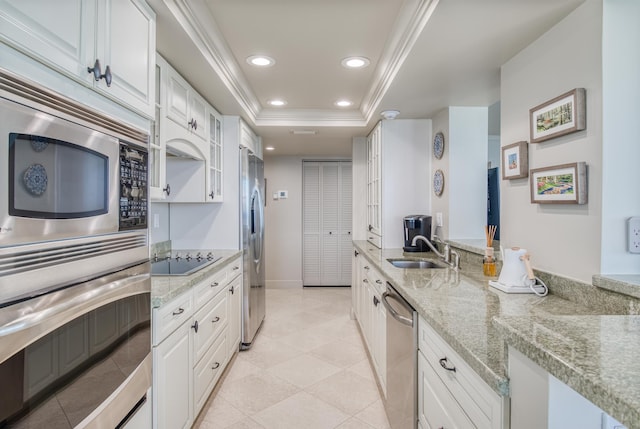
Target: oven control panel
134, 203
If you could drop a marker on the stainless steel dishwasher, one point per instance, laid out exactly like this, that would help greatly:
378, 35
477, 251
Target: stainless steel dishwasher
402, 361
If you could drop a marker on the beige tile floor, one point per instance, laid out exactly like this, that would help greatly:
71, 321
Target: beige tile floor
307, 369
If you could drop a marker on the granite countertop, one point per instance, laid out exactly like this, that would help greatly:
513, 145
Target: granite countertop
165, 288
476, 320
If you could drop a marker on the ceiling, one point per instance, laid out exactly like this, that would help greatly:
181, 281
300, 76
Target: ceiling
424, 55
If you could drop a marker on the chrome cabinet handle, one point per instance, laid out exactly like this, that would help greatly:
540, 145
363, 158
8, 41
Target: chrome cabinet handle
355, 253
379, 282
231, 290
376, 301
107, 76
212, 195
180, 311
214, 284
366, 267
216, 365
167, 189
193, 124
236, 268
443, 363
217, 319
195, 326
370, 227
97, 72
365, 281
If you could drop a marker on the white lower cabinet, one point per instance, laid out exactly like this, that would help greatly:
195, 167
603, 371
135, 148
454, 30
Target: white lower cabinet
372, 316
450, 393
194, 338
172, 379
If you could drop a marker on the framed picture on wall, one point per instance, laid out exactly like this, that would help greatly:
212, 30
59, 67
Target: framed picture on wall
559, 184
563, 115
515, 162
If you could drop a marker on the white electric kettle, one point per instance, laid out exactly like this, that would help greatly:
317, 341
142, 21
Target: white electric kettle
517, 275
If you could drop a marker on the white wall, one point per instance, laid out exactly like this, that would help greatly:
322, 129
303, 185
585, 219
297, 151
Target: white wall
283, 221
463, 202
159, 211
621, 132
468, 131
440, 123
563, 238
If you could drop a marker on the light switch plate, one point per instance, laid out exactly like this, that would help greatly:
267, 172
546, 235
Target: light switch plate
633, 234
609, 422
439, 219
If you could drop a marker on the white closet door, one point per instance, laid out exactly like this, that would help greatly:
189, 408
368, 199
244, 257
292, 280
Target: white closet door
331, 266
311, 226
346, 246
326, 224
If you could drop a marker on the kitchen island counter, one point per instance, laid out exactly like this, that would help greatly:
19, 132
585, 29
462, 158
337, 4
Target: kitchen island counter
476, 320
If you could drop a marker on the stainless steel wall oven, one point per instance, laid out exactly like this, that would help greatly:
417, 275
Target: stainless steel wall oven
75, 282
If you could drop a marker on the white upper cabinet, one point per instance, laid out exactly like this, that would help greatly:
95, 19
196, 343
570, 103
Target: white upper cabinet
75, 36
214, 188
185, 107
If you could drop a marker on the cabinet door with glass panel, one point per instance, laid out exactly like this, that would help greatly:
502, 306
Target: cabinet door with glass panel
158, 186
373, 186
214, 185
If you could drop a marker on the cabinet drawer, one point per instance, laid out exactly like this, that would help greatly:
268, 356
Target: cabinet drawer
374, 239
208, 288
437, 408
376, 280
234, 269
210, 320
171, 315
483, 406
208, 371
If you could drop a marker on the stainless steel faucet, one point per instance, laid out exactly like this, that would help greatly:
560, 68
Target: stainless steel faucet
446, 254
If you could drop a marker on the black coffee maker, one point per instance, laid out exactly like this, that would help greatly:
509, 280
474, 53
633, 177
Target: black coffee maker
416, 225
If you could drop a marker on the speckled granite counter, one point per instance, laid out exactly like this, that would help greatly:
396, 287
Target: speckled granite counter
628, 284
165, 288
476, 320
597, 356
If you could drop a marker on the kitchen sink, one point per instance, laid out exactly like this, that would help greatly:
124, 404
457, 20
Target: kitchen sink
413, 263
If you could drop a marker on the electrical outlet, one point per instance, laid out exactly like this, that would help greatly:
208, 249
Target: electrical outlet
609, 422
633, 234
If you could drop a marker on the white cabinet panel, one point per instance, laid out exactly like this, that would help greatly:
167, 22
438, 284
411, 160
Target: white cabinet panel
71, 36
173, 396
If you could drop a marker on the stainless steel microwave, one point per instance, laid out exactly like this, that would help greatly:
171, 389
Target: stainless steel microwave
73, 191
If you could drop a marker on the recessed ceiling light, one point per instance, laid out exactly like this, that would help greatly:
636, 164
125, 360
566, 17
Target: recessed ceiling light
269, 148
355, 62
343, 103
277, 102
261, 61
304, 132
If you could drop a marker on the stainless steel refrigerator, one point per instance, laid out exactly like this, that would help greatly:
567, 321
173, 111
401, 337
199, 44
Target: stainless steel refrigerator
252, 238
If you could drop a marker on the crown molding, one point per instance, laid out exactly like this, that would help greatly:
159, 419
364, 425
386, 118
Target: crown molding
196, 20
412, 19
310, 118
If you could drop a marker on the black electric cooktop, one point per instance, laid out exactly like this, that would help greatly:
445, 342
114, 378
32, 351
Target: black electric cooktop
179, 266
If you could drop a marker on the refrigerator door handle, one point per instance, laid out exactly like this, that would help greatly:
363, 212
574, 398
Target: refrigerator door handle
257, 226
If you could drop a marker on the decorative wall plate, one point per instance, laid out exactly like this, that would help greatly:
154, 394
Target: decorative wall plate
35, 179
438, 145
38, 144
438, 182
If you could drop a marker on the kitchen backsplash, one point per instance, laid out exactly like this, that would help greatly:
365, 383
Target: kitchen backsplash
605, 301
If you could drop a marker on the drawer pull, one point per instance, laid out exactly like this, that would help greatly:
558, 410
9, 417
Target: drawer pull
214, 284
366, 267
195, 326
376, 301
231, 290
443, 363
379, 282
216, 365
217, 319
236, 268
180, 311
365, 281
